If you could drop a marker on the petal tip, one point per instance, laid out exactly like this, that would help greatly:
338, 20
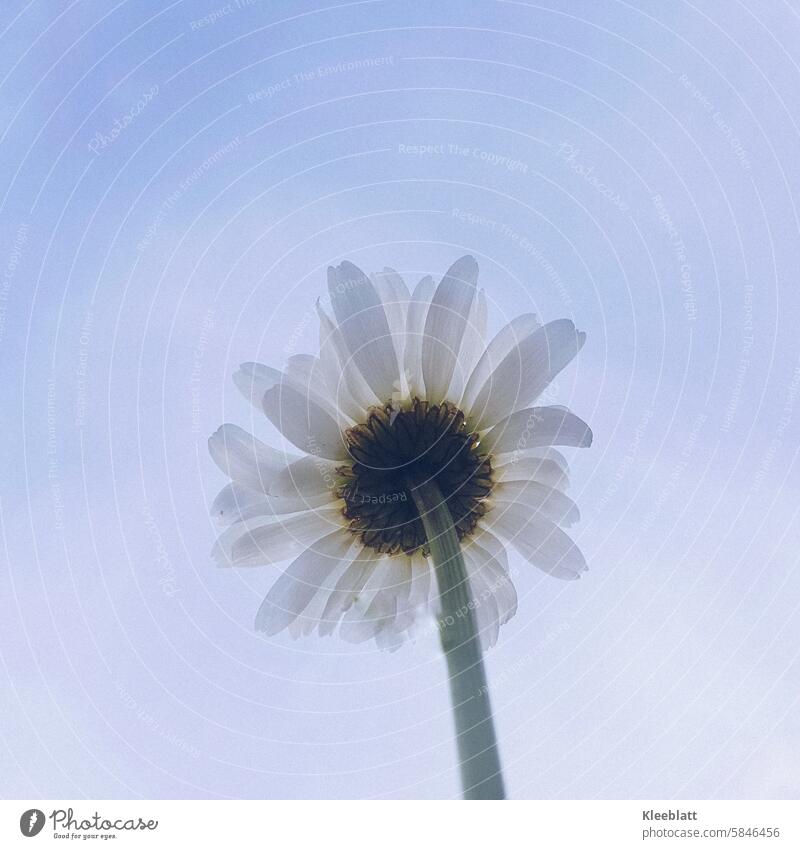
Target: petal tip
464, 269
220, 557
261, 622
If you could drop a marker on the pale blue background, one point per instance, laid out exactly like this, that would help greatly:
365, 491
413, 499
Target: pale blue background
129, 663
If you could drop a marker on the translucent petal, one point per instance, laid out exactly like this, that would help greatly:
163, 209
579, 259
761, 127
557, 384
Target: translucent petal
415, 328
444, 327
525, 372
537, 427
305, 422
246, 459
364, 328
260, 542
297, 585
539, 499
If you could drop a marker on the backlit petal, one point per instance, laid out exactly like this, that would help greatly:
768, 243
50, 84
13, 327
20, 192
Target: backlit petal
537, 427
305, 422
297, 585
525, 372
444, 327
364, 327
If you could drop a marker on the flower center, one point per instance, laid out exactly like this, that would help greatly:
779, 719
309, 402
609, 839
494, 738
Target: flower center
394, 447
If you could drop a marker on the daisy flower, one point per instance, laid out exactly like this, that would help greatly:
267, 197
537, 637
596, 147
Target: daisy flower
406, 398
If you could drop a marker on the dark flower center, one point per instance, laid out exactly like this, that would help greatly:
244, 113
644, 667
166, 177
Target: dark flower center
393, 448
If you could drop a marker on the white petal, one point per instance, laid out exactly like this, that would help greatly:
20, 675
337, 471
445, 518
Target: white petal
376, 620
305, 371
305, 422
485, 611
357, 626
444, 327
376, 607
538, 499
244, 458
472, 346
394, 295
311, 618
415, 330
507, 338
539, 541
498, 579
347, 589
291, 594
532, 467
364, 328
346, 384
309, 476
495, 555
254, 379
475, 339
525, 372
401, 592
262, 541
389, 639
537, 427
419, 597
393, 292
237, 502
489, 542
382, 613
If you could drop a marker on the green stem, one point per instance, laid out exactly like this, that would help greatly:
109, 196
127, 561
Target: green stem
481, 776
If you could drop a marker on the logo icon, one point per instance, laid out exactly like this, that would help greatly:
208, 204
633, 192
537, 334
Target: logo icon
31, 822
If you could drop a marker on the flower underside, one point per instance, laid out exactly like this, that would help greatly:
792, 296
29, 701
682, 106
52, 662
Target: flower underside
398, 448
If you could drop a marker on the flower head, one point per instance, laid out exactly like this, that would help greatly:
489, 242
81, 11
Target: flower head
405, 390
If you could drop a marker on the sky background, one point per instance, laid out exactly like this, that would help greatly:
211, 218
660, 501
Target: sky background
175, 180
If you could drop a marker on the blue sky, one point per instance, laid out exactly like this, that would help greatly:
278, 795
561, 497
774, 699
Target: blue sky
175, 183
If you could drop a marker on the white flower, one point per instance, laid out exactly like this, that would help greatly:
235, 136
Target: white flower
404, 385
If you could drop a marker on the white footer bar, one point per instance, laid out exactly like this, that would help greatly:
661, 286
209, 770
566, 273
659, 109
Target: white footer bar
398, 825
